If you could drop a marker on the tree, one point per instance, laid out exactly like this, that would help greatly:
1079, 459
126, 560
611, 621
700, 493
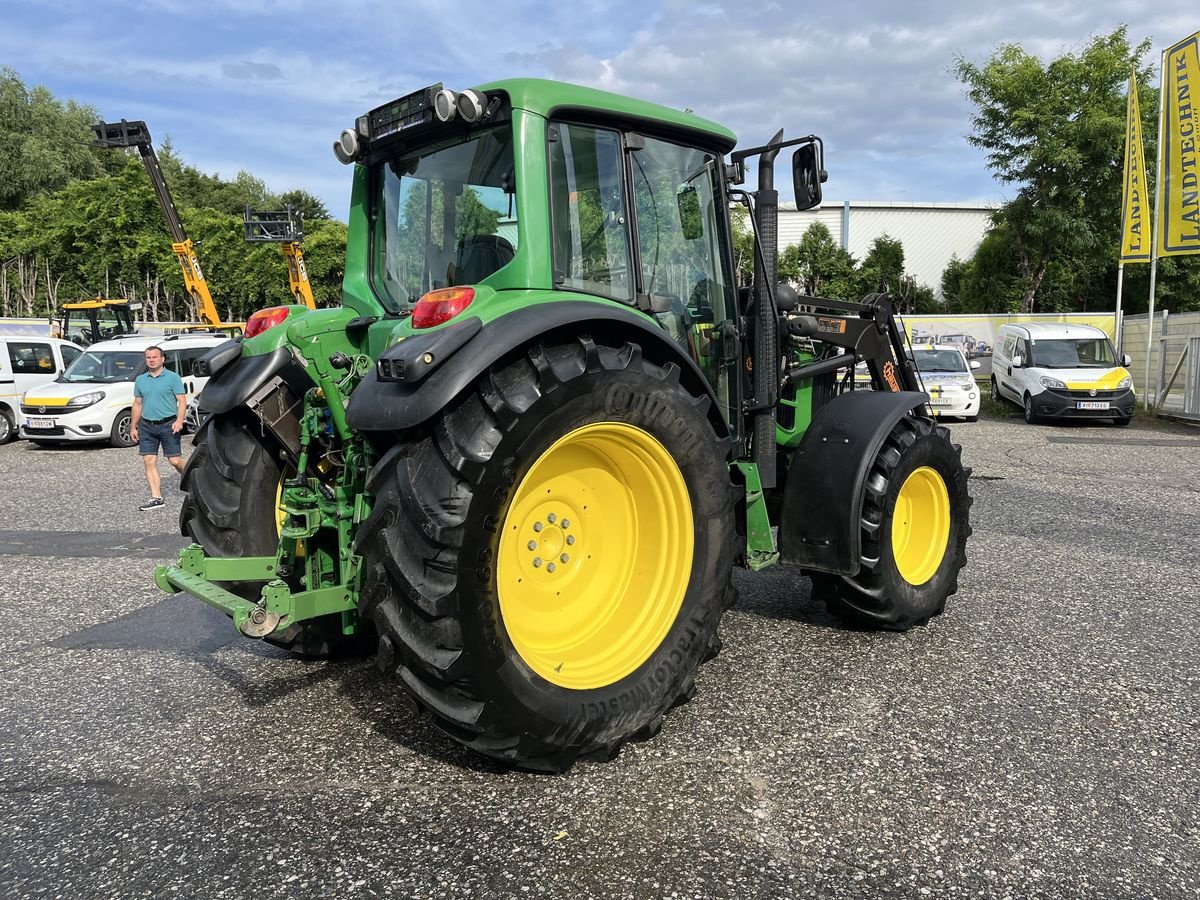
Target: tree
819, 265
306, 204
882, 268
1055, 131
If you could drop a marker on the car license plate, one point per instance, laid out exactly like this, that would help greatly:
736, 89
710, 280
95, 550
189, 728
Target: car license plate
39, 423
1092, 404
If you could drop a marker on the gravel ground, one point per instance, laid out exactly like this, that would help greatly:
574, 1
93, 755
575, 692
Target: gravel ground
1038, 740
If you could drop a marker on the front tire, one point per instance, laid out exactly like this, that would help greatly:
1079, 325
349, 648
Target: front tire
8, 430
914, 521
232, 480
1031, 418
122, 426
535, 645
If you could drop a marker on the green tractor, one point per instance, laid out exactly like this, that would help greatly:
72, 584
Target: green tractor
521, 460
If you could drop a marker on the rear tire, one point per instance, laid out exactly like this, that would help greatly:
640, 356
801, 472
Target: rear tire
8, 429
122, 425
231, 480
914, 521
458, 574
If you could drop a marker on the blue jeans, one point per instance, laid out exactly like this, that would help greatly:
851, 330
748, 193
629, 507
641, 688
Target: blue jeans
152, 435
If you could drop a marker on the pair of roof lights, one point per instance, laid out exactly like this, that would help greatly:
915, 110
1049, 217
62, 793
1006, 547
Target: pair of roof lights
468, 105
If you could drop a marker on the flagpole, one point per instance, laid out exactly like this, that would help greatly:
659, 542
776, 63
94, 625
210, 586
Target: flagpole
1158, 186
1120, 282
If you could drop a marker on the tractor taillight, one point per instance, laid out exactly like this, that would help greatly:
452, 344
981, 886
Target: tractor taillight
441, 306
264, 319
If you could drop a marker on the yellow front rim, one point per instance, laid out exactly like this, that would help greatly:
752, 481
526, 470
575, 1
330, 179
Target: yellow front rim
921, 525
595, 555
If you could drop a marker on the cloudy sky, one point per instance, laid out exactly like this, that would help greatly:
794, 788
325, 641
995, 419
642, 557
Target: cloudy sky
266, 85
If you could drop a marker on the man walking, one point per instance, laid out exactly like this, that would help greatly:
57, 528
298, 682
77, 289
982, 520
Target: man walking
159, 402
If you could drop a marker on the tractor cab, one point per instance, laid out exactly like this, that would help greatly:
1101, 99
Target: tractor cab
87, 322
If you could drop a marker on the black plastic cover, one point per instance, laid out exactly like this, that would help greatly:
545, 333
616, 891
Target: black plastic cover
826, 482
234, 383
389, 406
217, 359
411, 360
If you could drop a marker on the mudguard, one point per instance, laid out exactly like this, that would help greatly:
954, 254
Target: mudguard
826, 482
238, 378
378, 405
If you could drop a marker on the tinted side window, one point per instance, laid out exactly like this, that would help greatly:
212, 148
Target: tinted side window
30, 358
69, 354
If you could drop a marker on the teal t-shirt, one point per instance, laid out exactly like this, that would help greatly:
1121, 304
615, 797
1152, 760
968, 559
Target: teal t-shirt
158, 394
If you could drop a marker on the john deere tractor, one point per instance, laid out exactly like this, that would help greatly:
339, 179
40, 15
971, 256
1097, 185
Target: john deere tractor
521, 460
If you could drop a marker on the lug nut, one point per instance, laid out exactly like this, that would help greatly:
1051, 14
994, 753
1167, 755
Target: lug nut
566, 523
537, 561
532, 545
550, 518
565, 558
570, 538
537, 526
550, 567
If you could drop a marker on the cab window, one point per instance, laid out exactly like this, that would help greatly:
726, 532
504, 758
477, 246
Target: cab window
69, 354
590, 229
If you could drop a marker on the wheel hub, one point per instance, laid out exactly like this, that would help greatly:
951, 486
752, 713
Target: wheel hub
595, 555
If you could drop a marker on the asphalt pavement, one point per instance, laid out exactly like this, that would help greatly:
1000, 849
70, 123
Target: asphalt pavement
1040, 739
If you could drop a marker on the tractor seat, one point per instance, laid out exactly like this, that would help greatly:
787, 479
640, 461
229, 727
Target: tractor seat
481, 255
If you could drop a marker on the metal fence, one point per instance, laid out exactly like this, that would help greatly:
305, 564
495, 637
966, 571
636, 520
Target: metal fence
1174, 361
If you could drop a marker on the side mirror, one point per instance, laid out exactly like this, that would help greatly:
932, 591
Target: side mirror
975, 364
807, 176
1018, 361
1126, 361
688, 201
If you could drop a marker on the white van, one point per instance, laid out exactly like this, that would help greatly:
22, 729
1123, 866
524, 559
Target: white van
1058, 371
27, 362
93, 400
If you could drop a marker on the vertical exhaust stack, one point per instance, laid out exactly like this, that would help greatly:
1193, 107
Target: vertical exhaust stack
766, 326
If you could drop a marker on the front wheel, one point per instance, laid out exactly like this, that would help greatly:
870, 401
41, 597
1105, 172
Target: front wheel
233, 479
547, 561
914, 524
1031, 418
122, 428
8, 431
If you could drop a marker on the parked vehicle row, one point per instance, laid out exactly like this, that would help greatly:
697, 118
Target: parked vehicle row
58, 393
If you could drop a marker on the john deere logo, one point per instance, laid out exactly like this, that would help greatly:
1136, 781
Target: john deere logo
1092, 391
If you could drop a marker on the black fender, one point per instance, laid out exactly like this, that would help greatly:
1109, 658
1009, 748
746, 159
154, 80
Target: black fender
236, 378
392, 405
826, 481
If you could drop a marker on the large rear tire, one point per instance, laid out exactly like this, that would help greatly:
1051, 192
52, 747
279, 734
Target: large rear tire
914, 521
232, 481
548, 559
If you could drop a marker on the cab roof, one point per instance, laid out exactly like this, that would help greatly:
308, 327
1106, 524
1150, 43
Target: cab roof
556, 98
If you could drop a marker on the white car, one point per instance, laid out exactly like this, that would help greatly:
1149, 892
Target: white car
949, 380
26, 362
93, 399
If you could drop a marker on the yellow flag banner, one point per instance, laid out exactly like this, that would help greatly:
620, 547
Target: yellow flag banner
1179, 215
1135, 238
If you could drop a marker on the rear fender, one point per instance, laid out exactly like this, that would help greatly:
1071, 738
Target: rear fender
461, 352
826, 482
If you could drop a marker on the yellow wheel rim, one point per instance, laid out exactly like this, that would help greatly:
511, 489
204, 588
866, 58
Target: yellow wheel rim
921, 525
595, 555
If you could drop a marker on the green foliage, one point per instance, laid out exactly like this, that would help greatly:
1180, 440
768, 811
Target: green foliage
76, 222
43, 143
1054, 131
882, 269
819, 265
